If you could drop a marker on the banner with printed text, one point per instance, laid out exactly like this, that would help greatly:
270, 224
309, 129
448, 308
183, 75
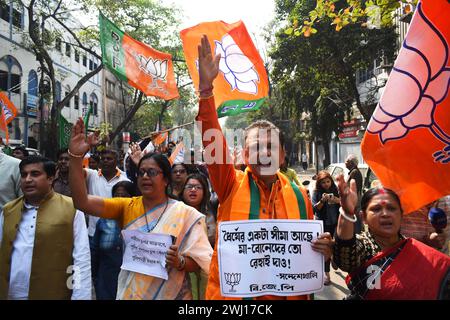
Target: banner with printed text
270, 257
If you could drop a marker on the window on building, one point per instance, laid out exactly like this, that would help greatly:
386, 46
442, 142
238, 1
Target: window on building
76, 102
84, 101
110, 89
84, 60
3, 80
17, 18
94, 103
77, 56
95, 65
58, 44
10, 74
91, 64
68, 49
4, 11
15, 83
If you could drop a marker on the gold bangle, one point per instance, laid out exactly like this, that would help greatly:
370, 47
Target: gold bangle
75, 155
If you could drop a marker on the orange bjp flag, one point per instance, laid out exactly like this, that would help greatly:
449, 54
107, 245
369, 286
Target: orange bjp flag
7, 113
160, 138
242, 84
143, 67
407, 143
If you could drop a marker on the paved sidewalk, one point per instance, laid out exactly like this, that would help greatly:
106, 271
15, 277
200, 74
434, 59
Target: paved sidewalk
337, 290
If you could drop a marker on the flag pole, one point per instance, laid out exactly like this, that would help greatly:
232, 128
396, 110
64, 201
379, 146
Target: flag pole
167, 130
104, 99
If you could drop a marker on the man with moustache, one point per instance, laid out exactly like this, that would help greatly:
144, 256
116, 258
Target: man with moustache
238, 191
61, 182
43, 241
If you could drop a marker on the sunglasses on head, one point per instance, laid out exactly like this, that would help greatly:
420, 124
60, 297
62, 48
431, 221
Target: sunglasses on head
151, 172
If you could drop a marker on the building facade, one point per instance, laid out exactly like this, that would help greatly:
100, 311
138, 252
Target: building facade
20, 75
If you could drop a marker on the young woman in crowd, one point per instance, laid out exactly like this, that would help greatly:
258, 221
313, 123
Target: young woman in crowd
325, 201
196, 194
179, 174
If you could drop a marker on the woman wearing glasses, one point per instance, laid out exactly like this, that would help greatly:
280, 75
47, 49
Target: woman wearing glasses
152, 212
179, 175
196, 194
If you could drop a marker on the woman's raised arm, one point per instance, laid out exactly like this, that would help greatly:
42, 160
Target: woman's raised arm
78, 147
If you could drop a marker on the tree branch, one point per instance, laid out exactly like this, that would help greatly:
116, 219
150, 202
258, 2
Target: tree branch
82, 81
128, 117
74, 36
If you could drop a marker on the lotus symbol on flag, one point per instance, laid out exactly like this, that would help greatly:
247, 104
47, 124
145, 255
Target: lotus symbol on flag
8, 114
155, 68
237, 68
419, 82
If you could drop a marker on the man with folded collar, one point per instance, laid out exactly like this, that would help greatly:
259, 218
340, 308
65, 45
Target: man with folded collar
44, 248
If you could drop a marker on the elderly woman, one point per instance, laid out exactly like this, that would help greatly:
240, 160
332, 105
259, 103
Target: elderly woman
153, 212
382, 264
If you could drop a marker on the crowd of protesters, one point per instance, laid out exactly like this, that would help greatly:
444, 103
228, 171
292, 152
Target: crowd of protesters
71, 213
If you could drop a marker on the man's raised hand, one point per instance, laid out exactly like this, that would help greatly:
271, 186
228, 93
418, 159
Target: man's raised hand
208, 67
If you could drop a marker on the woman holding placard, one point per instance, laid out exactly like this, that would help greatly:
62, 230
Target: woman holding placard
153, 212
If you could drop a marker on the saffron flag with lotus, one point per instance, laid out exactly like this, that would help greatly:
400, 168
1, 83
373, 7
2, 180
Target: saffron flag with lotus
407, 143
143, 67
242, 84
7, 113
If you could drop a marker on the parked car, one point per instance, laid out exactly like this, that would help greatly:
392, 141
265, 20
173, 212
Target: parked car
31, 151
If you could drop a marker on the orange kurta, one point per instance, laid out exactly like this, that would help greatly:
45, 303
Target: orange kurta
227, 182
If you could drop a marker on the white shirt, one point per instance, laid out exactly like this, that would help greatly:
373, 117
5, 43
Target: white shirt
99, 186
22, 256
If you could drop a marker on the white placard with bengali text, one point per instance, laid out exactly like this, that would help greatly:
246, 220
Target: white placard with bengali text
146, 252
269, 257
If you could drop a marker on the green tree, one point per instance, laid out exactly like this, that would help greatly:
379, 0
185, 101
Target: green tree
40, 40
367, 13
145, 20
317, 74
